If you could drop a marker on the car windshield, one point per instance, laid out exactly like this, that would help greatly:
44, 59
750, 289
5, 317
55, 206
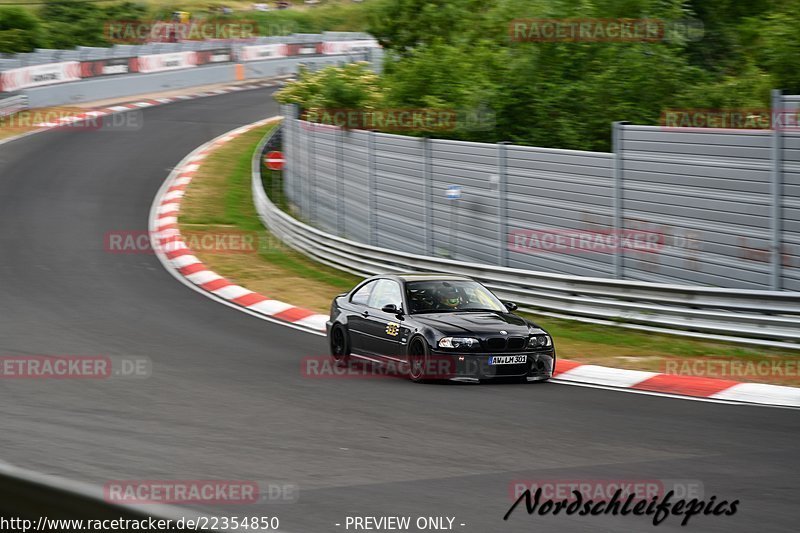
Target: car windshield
441, 296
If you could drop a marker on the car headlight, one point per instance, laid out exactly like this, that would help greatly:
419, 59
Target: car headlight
539, 341
458, 342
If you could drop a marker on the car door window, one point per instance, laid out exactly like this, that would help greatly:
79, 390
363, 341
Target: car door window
361, 296
386, 292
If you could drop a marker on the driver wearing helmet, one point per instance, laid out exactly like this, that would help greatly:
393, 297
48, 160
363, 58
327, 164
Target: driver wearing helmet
448, 298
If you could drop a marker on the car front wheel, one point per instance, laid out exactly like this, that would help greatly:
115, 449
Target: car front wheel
417, 359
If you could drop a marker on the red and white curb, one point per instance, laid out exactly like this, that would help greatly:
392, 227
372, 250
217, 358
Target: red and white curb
179, 259
181, 262
711, 389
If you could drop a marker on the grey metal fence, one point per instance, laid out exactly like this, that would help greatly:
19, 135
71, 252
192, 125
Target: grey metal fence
695, 207
767, 318
786, 200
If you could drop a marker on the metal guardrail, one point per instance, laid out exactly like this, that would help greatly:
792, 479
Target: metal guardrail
768, 318
28, 495
13, 104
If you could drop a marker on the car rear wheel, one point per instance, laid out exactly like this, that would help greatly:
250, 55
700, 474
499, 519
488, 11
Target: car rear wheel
417, 359
339, 345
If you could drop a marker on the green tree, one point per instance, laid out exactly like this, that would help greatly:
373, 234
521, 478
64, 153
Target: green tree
352, 86
69, 24
403, 25
779, 48
20, 30
458, 54
125, 11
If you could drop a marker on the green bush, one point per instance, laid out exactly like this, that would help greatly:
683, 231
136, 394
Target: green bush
352, 86
20, 30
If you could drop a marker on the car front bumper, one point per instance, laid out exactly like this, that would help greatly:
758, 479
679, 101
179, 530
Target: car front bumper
470, 367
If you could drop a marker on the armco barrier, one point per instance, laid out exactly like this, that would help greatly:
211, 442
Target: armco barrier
121, 86
104, 87
37, 75
37, 497
769, 318
13, 104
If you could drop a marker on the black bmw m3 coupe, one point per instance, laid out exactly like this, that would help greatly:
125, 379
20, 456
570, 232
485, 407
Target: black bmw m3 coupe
438, 326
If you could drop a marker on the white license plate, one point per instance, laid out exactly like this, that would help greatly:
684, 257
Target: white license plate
507, 359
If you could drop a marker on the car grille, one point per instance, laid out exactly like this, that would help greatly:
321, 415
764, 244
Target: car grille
499, 344
496, 343
516, 343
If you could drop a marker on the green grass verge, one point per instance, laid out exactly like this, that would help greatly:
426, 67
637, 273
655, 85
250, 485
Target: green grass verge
230, 205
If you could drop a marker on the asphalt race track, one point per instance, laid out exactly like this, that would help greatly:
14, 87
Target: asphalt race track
226, 399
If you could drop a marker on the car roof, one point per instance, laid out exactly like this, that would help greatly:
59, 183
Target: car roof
428, 276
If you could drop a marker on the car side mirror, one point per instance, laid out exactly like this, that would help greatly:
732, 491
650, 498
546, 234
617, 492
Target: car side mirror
391, 309
511, 306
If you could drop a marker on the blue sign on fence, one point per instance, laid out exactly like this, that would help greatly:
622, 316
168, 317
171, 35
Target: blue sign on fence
453, 192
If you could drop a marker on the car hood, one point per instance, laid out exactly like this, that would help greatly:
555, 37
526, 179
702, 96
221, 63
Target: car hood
475, 323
